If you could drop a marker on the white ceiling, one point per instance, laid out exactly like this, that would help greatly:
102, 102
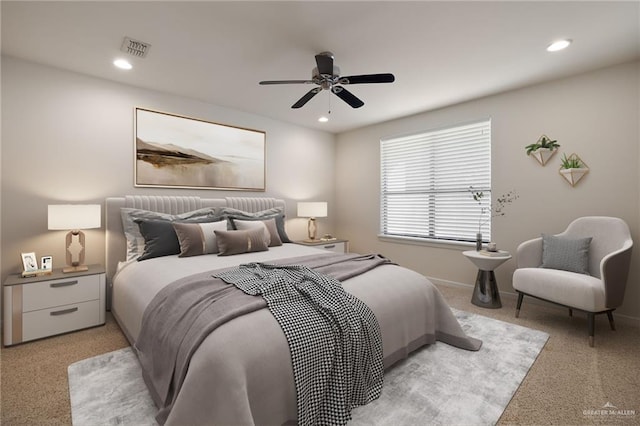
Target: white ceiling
441, 53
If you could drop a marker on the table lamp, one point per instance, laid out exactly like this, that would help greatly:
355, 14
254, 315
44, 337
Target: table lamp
312, 210
74, 217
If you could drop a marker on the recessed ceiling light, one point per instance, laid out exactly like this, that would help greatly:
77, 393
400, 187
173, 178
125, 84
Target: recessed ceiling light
558, 45
323, 119
122, 64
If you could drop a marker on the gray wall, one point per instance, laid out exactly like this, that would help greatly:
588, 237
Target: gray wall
68, 138
595, 115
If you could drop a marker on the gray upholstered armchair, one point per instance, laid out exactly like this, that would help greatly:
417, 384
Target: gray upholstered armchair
583, 268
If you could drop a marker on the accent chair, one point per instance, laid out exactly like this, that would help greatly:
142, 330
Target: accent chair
583, 268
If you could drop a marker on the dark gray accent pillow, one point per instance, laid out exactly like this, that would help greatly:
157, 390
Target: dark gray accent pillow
565, 253
159, 238
237, 242
277, 213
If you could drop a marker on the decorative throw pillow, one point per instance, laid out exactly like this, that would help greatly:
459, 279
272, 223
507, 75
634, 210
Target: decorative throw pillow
269, 226
159, 238
276, 213
135, 240
237, 242
568, 254
198, 238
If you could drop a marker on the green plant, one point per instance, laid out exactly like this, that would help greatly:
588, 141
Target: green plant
543, 142
496, 209
570, 162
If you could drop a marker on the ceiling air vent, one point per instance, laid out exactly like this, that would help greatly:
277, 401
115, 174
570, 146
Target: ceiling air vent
135, 47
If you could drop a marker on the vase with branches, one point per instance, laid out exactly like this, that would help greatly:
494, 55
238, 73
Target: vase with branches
492, 210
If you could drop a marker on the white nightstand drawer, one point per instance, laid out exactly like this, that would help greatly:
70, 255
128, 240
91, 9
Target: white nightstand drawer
335, 247
60, 292
47, 322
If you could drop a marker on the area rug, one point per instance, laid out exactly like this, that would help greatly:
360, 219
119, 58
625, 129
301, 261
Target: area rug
436, 385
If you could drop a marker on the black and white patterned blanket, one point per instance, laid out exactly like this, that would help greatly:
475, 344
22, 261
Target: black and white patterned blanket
334, 338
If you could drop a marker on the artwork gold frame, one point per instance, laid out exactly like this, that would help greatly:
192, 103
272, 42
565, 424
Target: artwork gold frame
174, 151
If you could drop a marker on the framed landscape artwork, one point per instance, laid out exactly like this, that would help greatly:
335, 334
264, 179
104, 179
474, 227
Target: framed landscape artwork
173, 151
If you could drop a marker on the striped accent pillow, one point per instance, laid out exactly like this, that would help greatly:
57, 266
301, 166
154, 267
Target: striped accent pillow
237, 242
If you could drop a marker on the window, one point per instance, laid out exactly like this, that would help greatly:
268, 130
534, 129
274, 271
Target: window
425, 181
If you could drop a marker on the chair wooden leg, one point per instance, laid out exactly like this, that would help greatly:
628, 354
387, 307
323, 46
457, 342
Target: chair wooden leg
611, 323
570, 313
520, 297
591, 325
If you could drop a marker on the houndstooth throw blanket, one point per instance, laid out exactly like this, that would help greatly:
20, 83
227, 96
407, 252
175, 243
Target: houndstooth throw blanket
334, 338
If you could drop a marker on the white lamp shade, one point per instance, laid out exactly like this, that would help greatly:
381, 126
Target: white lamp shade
312, 209
74, 216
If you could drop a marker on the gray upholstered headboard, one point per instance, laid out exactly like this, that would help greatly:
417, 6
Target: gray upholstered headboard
116, 246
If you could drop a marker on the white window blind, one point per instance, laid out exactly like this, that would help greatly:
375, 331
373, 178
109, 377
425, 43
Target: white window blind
425, 180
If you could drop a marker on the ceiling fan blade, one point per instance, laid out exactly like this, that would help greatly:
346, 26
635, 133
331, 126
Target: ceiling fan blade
324, 61
286, 82
347, 96
306, 98
367, 78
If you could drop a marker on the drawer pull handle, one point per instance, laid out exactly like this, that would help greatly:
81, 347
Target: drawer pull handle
63, 284
63, 312
331, 246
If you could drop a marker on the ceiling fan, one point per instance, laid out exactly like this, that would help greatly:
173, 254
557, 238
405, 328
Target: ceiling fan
327, 77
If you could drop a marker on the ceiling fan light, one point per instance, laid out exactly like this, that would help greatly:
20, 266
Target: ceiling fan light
558, 45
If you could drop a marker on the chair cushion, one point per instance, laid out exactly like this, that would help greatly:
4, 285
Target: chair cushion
567, 288
568, 254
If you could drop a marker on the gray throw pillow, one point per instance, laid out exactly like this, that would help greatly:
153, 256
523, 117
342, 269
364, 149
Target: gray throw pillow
565, 253
237, 242
135, 240
269, 226
160, 238
276, 213
198, 238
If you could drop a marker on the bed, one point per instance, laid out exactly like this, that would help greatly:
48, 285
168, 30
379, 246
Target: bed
242, 372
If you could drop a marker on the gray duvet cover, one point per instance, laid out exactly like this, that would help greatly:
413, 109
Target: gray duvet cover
241, 374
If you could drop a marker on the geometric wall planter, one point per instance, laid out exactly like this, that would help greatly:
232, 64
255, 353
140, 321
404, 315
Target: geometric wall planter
543, 155
574, 175
543, 149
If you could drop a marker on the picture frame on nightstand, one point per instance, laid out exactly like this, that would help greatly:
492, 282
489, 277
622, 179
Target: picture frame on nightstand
29, 262
46, 263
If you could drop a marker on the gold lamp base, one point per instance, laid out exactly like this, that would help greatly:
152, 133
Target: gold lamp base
79, 268
75, 266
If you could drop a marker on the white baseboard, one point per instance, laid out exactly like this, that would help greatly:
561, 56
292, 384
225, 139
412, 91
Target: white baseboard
621, 318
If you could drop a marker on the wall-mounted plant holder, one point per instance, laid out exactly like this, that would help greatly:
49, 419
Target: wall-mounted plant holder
543, 155
543, 149
573, 169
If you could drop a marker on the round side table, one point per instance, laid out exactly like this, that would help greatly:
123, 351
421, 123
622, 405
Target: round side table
485, 292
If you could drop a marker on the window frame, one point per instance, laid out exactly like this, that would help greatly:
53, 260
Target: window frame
471, 208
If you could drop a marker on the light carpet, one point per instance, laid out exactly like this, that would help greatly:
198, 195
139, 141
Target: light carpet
438, 384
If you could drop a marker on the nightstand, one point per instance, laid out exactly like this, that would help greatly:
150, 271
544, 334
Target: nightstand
47, 305
338, 246
485, 292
